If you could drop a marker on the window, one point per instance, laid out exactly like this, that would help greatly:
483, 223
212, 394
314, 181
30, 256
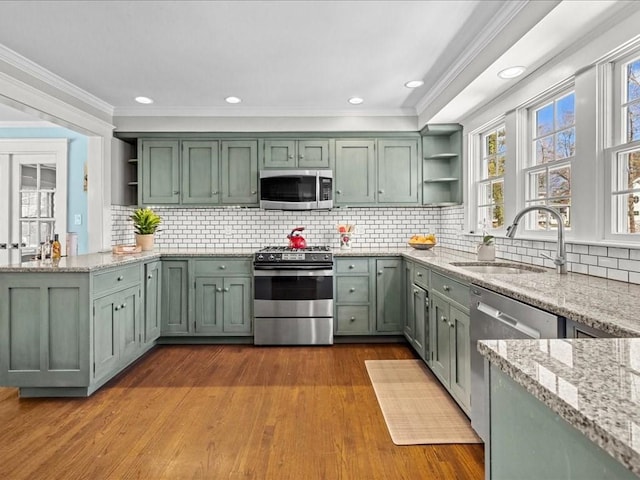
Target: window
548, 174
490, 183
624, 156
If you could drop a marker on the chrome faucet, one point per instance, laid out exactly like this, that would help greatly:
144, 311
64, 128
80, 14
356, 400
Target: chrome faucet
561, 255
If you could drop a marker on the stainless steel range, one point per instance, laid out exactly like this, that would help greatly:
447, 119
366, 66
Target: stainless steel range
293, 296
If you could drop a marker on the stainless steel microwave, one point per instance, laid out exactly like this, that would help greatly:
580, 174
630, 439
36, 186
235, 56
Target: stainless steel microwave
296, 189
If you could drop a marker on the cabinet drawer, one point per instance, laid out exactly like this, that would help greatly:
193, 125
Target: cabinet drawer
352, 289
222, 266
452, 289
353, 319
421, 276
352, 265
116, 279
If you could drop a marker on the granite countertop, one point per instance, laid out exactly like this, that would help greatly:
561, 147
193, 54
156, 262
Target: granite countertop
593, 384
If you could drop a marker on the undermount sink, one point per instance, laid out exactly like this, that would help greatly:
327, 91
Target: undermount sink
498, 268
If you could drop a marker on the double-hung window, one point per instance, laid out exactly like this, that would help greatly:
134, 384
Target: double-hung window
490, 178
552, 149
624, 155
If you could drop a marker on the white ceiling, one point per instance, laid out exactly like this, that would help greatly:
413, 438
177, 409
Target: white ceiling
280, 57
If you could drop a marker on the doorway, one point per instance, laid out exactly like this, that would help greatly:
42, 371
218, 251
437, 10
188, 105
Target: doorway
33, 196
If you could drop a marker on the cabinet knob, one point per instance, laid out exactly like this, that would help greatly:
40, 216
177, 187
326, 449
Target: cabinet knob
176, 192
443, 318
291, 157
123, 305
253, 192
226, 289
149, 276
416, 292
223, 267
351, 267
352, 319
116, 308
215, 193
352, 289
218, 289
452, 325
120, 278
419, 274
379, 272
380, 191
300, 156
446, 288
338, 192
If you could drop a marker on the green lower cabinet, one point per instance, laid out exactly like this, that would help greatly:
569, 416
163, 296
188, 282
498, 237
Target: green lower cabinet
223, 305
389, 295
531, 442
419, 306
175, 294
152, 301
44, 330
352, 320
449, 345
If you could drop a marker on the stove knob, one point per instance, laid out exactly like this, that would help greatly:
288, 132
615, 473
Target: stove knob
326, 257
260, 257
271, 257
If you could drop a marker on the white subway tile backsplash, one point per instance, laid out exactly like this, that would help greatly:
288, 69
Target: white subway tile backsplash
375, 228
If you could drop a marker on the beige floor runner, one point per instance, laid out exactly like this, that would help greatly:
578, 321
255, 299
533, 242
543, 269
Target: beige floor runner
415, 406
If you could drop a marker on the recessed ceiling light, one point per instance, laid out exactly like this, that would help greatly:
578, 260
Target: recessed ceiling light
414, 84
144, 100
511, 72
233, 100
355, 100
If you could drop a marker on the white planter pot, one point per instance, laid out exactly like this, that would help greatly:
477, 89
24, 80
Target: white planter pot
486, 252
145, 241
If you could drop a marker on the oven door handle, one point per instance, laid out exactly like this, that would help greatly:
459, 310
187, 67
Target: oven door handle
290, 272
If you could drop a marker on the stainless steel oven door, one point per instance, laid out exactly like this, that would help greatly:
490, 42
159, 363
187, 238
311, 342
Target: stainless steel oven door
294, 292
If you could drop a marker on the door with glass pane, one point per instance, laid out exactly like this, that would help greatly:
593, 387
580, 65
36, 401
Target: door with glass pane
33, 196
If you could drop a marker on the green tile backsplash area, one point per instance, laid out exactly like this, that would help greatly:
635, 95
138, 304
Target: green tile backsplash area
375, 228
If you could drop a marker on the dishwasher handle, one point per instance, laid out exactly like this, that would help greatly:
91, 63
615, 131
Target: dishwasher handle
508, 320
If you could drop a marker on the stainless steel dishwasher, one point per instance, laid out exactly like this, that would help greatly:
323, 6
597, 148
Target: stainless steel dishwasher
497, 317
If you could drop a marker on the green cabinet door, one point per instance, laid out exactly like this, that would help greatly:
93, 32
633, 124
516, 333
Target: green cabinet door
129, 325
175, 290
439, 330
313, 154
106, 335
200, 173
398, 181
420, 312
459, 345
209, 304
238, 299
409, 318
355, 172
389, 295
160, 172
280, 154
239, 179
152, 301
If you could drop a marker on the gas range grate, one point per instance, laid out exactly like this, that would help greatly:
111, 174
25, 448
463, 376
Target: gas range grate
318, 248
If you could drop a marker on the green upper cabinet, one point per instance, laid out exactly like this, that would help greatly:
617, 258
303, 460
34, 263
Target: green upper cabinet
283, 153
200, 172
160, 172
355, 175
398, 181
442, 165
239, 177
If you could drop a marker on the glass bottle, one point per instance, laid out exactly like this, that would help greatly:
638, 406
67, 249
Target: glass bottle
56, 250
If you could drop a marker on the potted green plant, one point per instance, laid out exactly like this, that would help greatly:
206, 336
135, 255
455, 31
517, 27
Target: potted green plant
487, 248
145, 222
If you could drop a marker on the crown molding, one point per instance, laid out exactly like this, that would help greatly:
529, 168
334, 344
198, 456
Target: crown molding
506, 13
27, 124
239, 111
33, 69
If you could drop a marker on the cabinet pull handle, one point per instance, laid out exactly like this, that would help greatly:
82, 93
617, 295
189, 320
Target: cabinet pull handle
3, 246
120, 278
352, 289
14, 245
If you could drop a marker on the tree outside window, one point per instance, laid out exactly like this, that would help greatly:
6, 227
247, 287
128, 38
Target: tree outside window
553, 150
491, 178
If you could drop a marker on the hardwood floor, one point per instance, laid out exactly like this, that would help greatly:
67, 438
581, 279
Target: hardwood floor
225, 412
